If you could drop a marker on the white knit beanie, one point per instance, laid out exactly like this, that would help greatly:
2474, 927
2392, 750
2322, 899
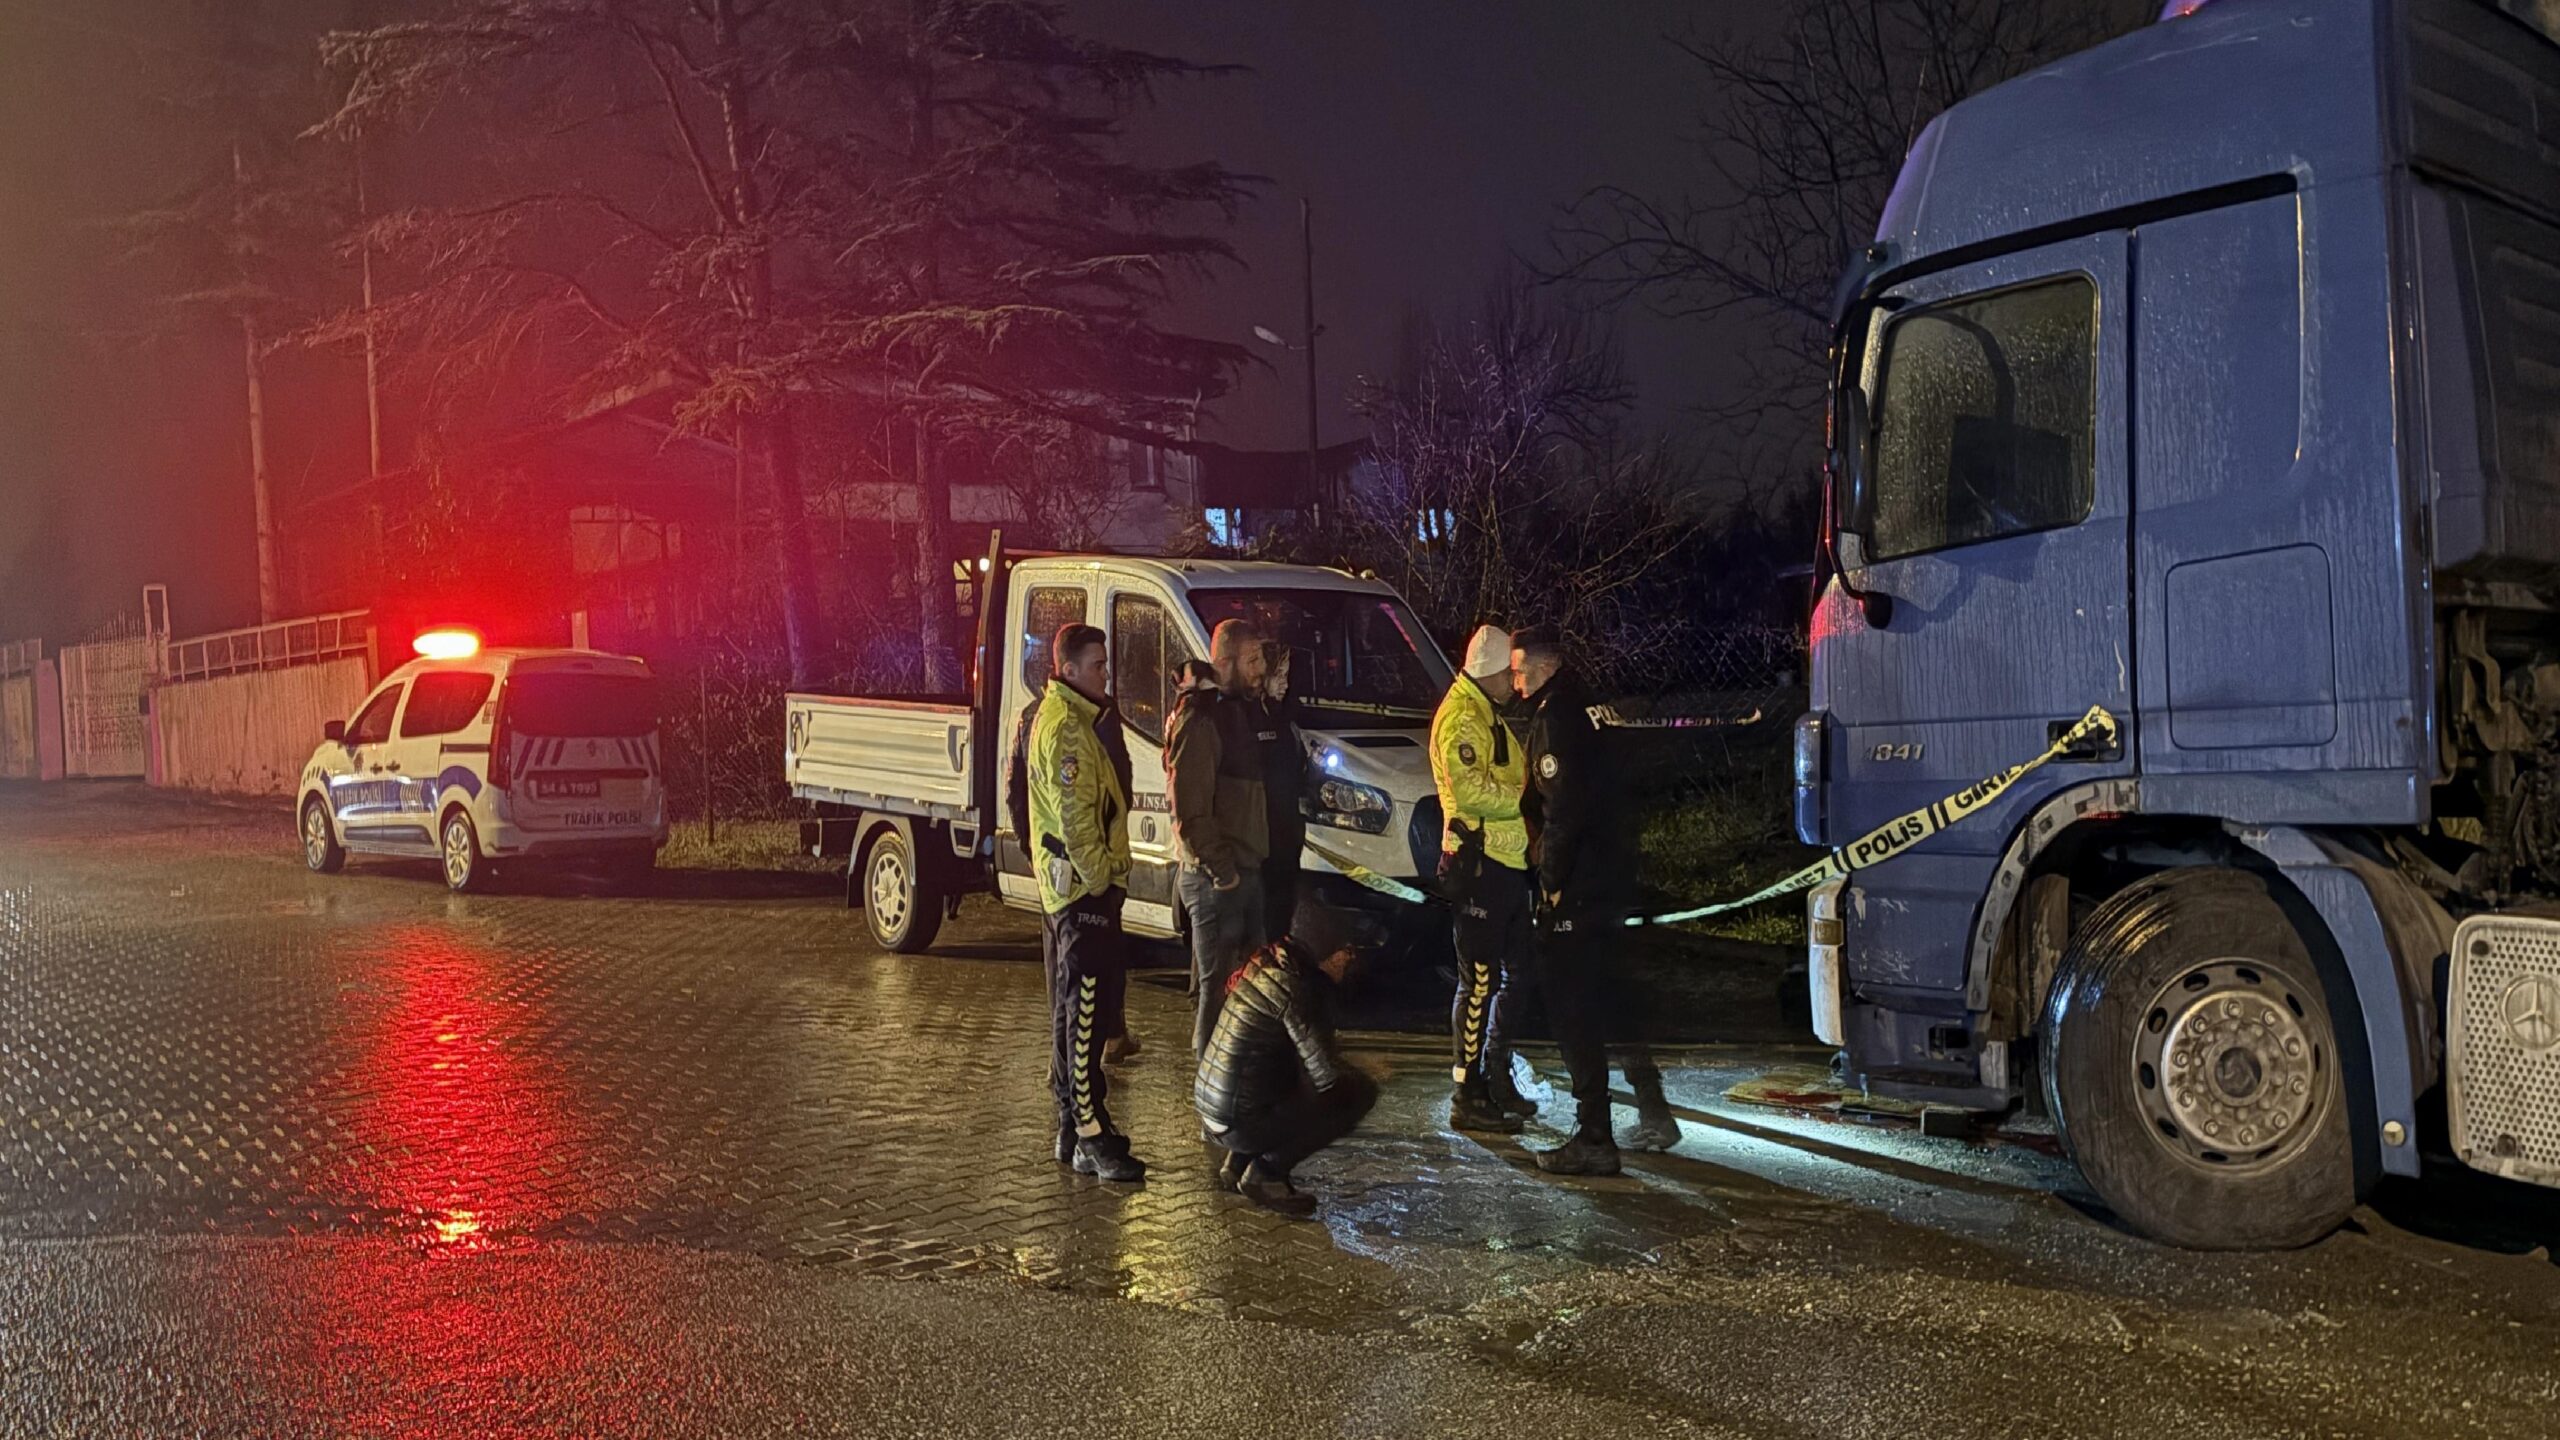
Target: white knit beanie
1488, 652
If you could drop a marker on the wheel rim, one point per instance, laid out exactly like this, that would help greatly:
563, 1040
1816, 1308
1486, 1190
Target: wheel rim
315, 835
457, 852
2231, 1067
889, 890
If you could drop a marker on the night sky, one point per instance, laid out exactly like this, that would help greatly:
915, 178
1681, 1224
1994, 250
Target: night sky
1434, 139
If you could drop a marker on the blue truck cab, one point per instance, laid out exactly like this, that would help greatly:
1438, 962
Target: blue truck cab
2211, 376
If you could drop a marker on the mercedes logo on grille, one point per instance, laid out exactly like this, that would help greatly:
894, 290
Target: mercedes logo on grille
2531, 1010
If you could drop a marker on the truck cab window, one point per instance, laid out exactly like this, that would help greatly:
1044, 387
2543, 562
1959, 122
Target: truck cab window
1146, 663
1046, 610
1986, 419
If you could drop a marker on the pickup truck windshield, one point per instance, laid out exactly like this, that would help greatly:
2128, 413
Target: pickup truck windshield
1355, 660
591, 707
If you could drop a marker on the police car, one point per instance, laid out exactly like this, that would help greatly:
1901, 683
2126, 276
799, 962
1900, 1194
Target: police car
473, 756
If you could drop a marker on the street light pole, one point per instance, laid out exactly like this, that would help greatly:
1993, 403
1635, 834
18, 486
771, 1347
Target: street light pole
1315, 465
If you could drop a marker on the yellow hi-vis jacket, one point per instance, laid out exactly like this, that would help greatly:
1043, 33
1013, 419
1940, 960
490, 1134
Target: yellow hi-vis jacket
1079, 816
1480, 770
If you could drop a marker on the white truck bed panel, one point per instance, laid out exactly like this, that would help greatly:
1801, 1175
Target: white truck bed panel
897, 755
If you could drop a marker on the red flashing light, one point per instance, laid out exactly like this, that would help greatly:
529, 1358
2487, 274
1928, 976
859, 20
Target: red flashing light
448, 644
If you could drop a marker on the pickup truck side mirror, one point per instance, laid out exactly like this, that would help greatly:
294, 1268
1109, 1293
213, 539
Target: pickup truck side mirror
335, 732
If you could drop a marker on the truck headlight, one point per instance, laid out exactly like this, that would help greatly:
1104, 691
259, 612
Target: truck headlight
1350, 805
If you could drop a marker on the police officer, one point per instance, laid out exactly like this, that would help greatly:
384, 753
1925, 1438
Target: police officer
1080, 829
1479, 770
1582, 842
1112, 1022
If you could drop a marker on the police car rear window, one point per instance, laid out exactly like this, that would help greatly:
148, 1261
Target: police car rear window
443, 704
582, 706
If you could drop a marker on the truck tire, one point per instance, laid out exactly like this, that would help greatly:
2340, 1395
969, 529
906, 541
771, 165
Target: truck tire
2192, 1068
904, 912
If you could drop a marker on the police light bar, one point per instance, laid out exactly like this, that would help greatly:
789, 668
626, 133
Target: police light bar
447, 644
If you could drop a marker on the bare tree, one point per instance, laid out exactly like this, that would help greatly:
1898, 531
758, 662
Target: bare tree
1796, 148
1505, 491
917, 208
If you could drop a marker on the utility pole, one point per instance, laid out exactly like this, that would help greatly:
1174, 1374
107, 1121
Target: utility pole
270, 597
1315, 463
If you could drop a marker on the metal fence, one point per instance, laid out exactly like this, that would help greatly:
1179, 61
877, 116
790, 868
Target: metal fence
307, 641
102, 685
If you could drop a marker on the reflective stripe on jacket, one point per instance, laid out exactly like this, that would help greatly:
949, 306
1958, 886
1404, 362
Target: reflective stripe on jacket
1480, 771
1076, 801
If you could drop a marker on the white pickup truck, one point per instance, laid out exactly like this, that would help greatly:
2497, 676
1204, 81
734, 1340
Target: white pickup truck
910, 791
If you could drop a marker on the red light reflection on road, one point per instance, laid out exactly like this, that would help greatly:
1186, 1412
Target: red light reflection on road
461, 1120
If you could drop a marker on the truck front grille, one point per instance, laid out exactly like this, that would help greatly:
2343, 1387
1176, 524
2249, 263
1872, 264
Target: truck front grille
2502, 1059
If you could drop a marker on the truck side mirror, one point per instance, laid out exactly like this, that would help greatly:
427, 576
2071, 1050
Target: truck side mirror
335, 732
1857, 462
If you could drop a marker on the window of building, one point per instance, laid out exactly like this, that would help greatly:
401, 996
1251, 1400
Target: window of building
443, 704
1048, 609
1147, 656
1986, 419
372, 724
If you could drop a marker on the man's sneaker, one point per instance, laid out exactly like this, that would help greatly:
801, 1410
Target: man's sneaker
1066, 1142
1119, 1049
1505, 1092
1471, 1111
1274, 1192
1231, 1168
1107, 1157
1654, 1129
1580, 1155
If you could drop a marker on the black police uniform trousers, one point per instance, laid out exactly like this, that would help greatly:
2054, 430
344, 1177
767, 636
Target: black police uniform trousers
1491, 930
1594, 1007
1087, 957
1301, 1123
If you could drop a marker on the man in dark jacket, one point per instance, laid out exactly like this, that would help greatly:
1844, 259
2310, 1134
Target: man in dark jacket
1272, 1089
1284, 751
1583, 849
1214, 760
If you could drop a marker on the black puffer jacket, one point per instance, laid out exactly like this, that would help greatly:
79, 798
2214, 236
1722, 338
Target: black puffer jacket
1273, 1029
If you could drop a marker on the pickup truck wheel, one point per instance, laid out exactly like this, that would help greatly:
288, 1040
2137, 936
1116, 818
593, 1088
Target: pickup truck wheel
904, 913
2192, 1068
320, 848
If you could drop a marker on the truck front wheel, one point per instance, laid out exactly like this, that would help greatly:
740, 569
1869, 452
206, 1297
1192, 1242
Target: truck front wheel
2192, 1067
903, 911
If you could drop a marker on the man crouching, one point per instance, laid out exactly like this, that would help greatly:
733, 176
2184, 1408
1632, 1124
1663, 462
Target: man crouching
1273, 1089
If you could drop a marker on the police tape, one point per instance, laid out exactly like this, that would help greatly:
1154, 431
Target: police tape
1868, 850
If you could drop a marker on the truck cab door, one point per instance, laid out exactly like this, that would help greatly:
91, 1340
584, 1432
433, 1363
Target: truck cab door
1149, 646
1994, 531
1041, 603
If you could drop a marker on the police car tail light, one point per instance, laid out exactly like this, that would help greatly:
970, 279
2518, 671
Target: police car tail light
446, 644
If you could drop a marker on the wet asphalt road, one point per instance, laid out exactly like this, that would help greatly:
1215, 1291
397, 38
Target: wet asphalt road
291, 1155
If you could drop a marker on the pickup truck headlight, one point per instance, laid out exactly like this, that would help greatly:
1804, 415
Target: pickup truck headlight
1350, 805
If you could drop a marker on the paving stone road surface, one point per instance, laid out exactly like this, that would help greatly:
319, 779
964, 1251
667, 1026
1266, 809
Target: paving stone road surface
286, 1154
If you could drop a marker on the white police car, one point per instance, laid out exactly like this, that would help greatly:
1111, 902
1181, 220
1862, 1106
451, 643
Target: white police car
474, 756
